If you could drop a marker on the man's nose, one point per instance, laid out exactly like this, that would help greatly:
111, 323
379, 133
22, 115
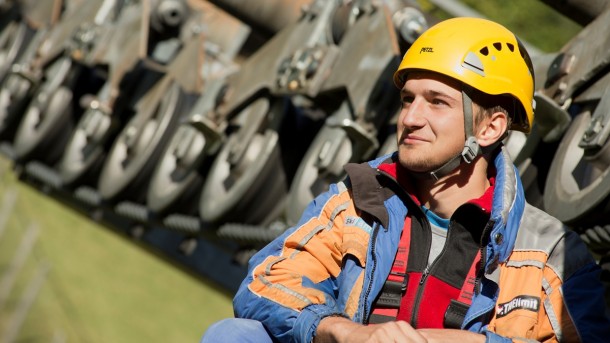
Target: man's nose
412, 115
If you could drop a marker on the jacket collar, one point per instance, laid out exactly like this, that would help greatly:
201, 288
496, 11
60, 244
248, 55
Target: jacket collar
507, 200
508, 204
367, 194
401, 175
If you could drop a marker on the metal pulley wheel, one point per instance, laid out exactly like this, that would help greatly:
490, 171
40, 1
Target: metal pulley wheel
42, 132
578, 182
14, 97
85, 151
247, 182
177, 178
322, 165
96, 130
136, 150
13, 40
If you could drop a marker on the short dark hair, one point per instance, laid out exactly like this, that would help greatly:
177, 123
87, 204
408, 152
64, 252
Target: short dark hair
489, 104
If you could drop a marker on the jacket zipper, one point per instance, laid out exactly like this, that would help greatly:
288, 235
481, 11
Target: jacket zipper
424, 275
370, 287
422, 280
365, 318
427, 270
481, 271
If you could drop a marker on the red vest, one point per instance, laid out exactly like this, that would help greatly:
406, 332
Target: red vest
435, 296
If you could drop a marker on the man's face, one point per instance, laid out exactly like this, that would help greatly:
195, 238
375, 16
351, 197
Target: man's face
431, 122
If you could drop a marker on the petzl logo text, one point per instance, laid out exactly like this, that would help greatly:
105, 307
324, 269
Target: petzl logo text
521, 302
426, 49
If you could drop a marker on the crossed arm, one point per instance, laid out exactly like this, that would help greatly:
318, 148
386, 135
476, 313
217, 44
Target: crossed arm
339, 329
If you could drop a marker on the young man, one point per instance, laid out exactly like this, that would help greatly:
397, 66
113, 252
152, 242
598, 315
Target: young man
436, 242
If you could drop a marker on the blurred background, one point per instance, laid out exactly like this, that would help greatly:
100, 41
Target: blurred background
64, 278
150, 147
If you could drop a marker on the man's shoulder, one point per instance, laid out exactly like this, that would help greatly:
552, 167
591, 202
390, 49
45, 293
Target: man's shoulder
539, 231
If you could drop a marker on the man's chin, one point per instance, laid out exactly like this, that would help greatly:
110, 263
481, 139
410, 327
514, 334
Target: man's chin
416, 167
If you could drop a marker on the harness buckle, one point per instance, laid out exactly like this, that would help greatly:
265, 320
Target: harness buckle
392, 292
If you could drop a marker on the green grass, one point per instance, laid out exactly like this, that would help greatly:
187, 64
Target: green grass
101, 287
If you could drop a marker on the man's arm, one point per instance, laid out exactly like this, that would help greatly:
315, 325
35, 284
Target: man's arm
290, 283
583, 295
339, 330
579, 307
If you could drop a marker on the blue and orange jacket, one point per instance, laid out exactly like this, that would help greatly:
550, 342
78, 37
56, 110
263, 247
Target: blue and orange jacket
336, 260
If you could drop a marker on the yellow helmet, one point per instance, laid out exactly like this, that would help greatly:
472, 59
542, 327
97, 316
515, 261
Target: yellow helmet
481, 54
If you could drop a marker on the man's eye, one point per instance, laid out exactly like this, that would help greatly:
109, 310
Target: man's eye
407, 99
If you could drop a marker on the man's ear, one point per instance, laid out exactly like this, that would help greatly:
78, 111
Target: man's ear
492, 129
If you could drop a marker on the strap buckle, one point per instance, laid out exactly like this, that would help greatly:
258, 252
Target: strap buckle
392, 292
455, 314
471, 149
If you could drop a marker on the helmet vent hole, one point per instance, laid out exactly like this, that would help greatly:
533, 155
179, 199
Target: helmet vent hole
498, 46
510, 47
484, 51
